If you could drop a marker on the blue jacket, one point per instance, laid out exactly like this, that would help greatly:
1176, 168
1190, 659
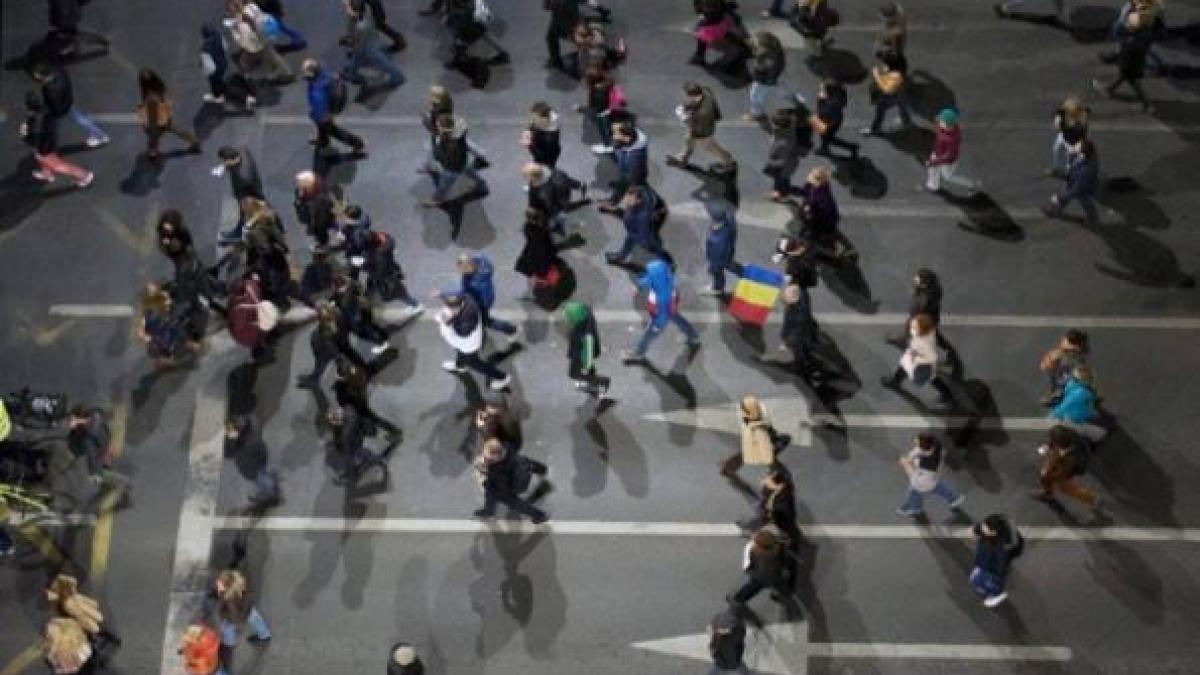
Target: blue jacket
658, 278
631, 161
318, 96
478, 285
722, 236
1078, 403
1083, 177
639, 221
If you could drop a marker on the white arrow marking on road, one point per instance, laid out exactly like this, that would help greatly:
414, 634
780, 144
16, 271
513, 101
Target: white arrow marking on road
784, 649
789, 415
931, 421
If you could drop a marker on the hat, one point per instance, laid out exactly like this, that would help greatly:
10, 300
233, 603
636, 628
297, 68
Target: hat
948, 116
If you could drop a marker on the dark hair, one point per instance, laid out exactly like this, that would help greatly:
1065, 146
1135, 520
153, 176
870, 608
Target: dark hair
79, 410
1078, 338
41, 70
535, 216
596, 75
926, 277
692, 89
1061, 436
354, 212
889, 10
227, 152
927, 441
540, 108
171, 217
1087, 148
150, 83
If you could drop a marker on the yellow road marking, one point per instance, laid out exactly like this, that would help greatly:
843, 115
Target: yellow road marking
22, 661
42, 542
102, 534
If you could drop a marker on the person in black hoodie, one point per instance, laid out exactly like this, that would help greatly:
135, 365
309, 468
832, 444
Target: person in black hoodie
564, 16
452, 157
403, 660
550, 191
505, 476
1136, 39
926, 299
727, 643
541, 137
764, 566
40, 132
59, 97
330, 340
831, 106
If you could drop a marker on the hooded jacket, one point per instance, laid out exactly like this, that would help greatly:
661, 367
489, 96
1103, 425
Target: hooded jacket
1078, 403
57, 92
544, 145
584, 344
767, 67
639, 220
478, 285
451, 151
659, 280
721, 241
464, 330
946, 142
631, 160
318, 96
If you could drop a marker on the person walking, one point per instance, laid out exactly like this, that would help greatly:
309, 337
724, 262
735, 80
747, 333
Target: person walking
720, 244
1073, 349
1078, 406
246, 23
89, 437
64, 596
997, 544
583, 348
279, 25
453, 156
766, 69
926, 299
330, 341
385, 277
942, 165
550, 191
700, 114
355, 313
892, 38
642, 211
763, 566
475, 276
403, 660
887, 91
813, 19
564, 16
214, 62
605, 102
67, 648
161, 328
244, 181
921, 360
541, 136
41, 133
460, 323
156, 113
820, 216
325, 101
58, 95
234, 608
1065, 457
1083, 182
761, 443
351, 426
923, 465
784, 155
1071, 125
663, 303
827, 121
538, 260
505, 476
468, 24
374, 10
727, 643
631, 155
366, 50
776, 504
1136, 38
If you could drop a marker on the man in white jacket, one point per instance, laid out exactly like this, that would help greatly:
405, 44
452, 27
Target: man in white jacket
461, 325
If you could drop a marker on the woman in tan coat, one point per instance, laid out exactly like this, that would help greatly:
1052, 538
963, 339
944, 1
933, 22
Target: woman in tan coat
63, 594
67, 648
760, 442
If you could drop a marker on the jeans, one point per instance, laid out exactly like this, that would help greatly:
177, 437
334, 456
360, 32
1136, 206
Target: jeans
444, 179
93, 131
512, 501
1088, 202
653, 332
915, 501
881, 108
372, 56
985, 583
257, 623
479, 365
654, 247
937, 176
761, 95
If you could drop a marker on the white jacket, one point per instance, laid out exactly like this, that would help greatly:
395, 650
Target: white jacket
922, 351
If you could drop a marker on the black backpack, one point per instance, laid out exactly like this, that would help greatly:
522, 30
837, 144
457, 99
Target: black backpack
339, 94
728, 647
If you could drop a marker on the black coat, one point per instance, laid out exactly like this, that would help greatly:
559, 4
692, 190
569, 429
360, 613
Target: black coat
927, 299
539, 252
564, 15
57, 92
65, 14
1131, 58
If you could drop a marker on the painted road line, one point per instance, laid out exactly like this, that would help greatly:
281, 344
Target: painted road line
102, 535
860, 421
307, 524
399, 121
51, 519
21, 662
789, 415
961, 652
34, 534
712, 316
772, 216
193, 538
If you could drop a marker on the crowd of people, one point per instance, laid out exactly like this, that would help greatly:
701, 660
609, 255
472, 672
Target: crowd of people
352, 268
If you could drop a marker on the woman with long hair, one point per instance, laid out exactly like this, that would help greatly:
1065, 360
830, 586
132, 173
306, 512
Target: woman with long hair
67, 648
63, 593
157, 114
1071, 123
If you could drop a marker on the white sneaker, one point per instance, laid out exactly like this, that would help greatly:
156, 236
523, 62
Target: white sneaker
501, 385
209, 98
87, 180
601, 149
380, 348
251, 103
995, 600
96, 141
44, 176
958, 502
452, 367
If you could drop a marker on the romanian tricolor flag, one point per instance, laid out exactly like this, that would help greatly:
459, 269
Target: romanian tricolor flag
755, 294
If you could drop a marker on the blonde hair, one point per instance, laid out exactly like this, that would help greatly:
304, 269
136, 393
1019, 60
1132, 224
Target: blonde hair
819, 175
154, 300
751, 408
439, 94
1074, 110
255, 210
67, 646
232, 583
923, 323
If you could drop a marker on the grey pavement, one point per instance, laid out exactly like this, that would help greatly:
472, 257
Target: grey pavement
515, 601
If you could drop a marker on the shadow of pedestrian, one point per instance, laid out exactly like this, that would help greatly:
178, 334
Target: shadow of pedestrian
984, 216
860, 176
842, 65
928, 95
143, 176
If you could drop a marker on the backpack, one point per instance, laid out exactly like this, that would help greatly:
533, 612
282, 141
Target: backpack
727, 648
522, 475
339, 94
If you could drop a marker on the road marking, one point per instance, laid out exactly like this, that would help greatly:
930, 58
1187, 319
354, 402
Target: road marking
385, 121
21, 662
102, 535
772, 216
712, 316
305, 524
51, 519
859, 421
789, 415
784, 649
193, 538
34, 534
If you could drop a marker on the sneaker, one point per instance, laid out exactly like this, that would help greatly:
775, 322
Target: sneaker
87, 180
500, 385
452, 367
629, 356
710, 291
209, 98
96, 141
251, 103
256, 640
514, 338
908, 514
610, 258
602, 149
867, 131
44, 176
380, 348
958, 502
540, 518
994, 600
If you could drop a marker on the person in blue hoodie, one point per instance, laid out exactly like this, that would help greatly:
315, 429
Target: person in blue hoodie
659, 280
321, 110
630, 152
477, 270
720, 244
641, 210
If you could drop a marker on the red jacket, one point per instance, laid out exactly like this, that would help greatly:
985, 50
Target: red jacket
945, 145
